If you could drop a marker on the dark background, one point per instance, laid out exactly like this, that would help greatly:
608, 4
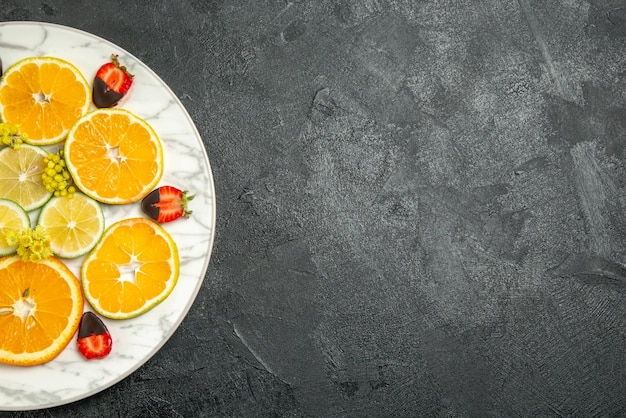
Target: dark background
420, 206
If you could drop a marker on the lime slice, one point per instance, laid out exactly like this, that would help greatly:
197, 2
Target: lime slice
20, 176
13, 218
74, 224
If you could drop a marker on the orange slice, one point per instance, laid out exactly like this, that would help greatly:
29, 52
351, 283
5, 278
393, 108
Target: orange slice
44, 96
40, 309
114, 156
133, 268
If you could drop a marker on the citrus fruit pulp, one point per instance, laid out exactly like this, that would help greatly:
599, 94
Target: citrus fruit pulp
74, 225
133, 268
13, 218
40, 309
20, 176
44, 96
114, 156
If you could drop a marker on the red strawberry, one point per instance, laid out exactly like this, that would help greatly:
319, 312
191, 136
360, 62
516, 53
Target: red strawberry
166, 204
94, 340
111, 83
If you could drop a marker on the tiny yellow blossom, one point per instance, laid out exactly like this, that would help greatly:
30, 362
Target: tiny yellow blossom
56, 177
32, 244
10, 135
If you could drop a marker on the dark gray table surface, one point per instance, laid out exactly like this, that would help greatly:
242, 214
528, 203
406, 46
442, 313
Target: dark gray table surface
420, 206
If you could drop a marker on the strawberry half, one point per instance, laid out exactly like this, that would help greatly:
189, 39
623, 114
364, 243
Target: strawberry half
111, 84
165, 204
94, 339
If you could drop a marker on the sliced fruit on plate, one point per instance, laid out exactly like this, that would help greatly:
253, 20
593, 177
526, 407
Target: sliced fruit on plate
166, 204
40, 309
13, 218
44, 96
111, 83
74, 225
114, 156
94, 339
20, 176
132, 269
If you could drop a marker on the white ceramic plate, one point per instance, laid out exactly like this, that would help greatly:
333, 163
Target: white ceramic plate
70, 377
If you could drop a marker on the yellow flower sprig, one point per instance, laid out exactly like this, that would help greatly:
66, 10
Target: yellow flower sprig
32, 244
10, 135
56, 176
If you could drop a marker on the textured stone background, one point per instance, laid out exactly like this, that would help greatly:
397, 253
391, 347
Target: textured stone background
420, 206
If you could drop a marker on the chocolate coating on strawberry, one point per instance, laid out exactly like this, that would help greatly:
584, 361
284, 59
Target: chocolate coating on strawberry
103, 96
90, 324
149, 204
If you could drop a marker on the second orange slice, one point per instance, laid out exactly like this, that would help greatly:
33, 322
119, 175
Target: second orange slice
114, 156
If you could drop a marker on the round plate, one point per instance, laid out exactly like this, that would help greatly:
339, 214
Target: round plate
70, 377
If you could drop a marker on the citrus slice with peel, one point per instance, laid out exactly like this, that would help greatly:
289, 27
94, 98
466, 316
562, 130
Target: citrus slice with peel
133, 268
73, 224
40, 309
44, 96
13, 218
20, 176
114, 156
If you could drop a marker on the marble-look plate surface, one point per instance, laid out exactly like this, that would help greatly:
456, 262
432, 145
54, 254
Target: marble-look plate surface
70, 377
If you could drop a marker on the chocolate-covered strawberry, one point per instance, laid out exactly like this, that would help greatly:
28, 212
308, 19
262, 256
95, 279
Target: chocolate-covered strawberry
111, 84
165, 204
94, 339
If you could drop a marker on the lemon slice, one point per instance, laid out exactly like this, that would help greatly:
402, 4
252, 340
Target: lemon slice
73, 224
44, 96
20, 176
133, 268
13, 218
